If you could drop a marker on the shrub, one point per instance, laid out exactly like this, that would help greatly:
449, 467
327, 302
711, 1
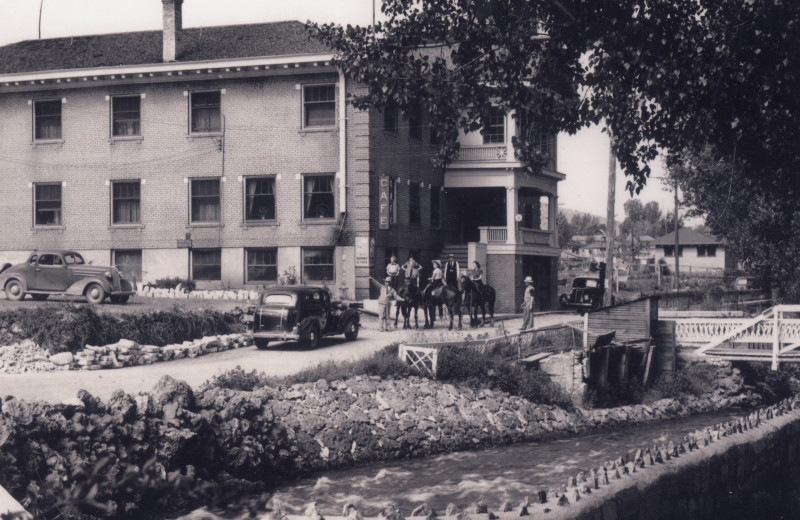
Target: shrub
172, 283
70, 327
238, 379
695, 379
289, 276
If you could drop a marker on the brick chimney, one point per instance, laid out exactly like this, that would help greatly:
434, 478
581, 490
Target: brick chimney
173, 23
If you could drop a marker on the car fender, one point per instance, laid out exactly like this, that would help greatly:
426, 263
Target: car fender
306, 323
13, 276
78, 288
4, 267
344, 319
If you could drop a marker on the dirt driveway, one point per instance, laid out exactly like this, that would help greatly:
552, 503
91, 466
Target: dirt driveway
280, 359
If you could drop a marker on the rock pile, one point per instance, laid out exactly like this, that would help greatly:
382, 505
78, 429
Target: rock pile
25, 356
129, 353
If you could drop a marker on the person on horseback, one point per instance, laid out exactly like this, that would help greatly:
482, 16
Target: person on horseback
434, 281
393, 271
411, 269
477, 274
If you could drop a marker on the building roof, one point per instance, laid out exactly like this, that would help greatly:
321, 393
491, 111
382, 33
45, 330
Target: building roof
140, 48
687, 237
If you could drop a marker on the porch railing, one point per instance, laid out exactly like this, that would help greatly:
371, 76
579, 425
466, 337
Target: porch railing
483, 153
493, 235
535, 236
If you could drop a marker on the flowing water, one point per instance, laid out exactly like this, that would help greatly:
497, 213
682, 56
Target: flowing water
496, 474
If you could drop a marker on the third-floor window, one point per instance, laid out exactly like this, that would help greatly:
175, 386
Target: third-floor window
206, 115
47, 119
126, 116
494, 131
319, 106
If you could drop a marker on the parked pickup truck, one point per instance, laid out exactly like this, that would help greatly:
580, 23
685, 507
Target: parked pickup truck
300, 313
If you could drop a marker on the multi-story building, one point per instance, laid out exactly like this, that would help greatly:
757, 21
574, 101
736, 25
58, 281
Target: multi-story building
229, 155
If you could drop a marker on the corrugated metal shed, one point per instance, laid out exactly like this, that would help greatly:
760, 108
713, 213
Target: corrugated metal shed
633, 321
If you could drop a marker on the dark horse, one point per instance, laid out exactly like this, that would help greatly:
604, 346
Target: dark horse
477, 296
448, 296
412, 297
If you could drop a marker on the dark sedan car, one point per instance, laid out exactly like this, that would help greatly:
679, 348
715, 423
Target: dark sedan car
300, 313
64, 272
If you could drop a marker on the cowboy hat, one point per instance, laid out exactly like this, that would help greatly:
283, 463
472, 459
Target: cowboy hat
528, 279
438, 263
451, 255
388, 279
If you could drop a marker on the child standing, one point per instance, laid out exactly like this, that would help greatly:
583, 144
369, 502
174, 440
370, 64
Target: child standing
384, 303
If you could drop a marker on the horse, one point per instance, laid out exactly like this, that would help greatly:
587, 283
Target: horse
448, 296
479, 296
412, 297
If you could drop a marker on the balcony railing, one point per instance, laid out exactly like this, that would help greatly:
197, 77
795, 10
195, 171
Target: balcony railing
488, 153
535, 236
493, 235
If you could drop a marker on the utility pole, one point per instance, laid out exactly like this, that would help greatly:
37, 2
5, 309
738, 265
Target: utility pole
41, 6
610, 227
677, 243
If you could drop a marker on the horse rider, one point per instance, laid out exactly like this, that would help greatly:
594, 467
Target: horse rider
436, 280
393, 271
411, 269
451, 272
477, 275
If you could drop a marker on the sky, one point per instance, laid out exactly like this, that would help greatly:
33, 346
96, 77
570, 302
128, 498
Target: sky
582, 157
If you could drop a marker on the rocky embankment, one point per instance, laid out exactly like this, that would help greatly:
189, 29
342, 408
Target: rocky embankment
244, 440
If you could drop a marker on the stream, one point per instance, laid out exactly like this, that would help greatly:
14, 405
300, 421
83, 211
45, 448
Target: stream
495, 474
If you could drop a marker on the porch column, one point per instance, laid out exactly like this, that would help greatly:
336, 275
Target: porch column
512, 206
552, 226
512, 131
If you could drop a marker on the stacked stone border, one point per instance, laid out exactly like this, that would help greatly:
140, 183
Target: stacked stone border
636, 485
198, 294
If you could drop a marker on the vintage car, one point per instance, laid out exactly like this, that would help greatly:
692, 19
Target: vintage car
60, 271
300, 313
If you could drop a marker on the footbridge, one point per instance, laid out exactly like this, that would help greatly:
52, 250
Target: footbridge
773, 336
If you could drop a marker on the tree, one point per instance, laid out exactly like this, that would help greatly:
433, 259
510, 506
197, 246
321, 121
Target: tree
565, 230
679, 77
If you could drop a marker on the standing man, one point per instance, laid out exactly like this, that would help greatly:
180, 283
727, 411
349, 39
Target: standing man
393, 271
451, 272
527, 304
411, 269
385, 304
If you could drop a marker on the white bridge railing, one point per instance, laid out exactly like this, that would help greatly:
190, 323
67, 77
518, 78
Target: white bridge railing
772, 327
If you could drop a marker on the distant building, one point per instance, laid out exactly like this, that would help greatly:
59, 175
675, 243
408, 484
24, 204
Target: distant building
695, 250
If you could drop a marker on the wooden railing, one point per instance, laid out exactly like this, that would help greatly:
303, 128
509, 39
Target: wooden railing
486, 153
535, 236
493, 234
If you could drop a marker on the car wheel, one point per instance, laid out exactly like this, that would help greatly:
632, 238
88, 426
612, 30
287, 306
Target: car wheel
351, 331
312, 336
120, 300
14, 290
261, 343
39, 297
95, 293
563, 300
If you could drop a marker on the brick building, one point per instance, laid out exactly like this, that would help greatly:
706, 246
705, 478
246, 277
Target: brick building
229, 155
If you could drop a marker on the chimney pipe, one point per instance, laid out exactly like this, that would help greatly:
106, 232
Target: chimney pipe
173, 23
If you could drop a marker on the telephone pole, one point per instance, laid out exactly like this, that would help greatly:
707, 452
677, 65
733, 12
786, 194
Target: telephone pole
610, 227
677, 243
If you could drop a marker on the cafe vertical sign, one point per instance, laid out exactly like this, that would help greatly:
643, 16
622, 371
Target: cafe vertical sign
383, 202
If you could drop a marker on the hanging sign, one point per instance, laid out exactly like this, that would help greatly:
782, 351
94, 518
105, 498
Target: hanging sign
383, 202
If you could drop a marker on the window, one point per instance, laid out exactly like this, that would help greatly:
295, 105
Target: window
129, 262
206, 264
205, 200
670, 251
319, 106
126, 202
260, 199
706, 250
48, 204
435, 212
262, 265
434, 138
126, 116
318, 265
47, 119
413, 204
390, 118
494, 131
415, 122
49, 260
206, 115
318, 199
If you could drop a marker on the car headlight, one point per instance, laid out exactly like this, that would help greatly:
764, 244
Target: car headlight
108, 274
586, 297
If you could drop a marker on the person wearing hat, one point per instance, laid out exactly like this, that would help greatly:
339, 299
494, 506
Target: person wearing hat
393, 270
434, 281
451, 272
411, 269
388, 294
527, 304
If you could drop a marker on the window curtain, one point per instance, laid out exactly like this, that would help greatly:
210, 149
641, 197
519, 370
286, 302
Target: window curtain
205, 201
48, 119
251, 196
126, 203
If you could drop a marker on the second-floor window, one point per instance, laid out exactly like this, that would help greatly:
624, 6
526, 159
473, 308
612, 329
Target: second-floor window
126, 116
494, 131
47, 204
413, 204
415, 122
126, 202
435, 213
205, 201
319, 106
206, 115
318, 200
47, 119
390, 118
260, 199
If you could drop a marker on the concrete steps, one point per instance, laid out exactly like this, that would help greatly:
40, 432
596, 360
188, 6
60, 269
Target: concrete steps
460, 252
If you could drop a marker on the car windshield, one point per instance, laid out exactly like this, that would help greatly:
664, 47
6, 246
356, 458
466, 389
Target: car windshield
73, 258
278, 299
585, 283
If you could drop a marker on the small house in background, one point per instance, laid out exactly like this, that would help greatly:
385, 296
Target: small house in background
695, 251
